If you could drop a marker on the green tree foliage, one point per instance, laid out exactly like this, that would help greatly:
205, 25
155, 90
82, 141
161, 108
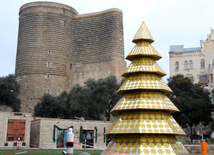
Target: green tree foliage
80, 101
9, 91
47, 107
53, 107
62, 105
94, 100
192, 100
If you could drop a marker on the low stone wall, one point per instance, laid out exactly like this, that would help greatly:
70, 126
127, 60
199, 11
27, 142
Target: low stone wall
196, 148
42, 131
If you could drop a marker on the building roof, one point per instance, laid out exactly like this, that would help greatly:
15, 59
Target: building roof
180, 48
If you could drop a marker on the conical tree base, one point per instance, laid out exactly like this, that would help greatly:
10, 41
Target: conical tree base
144, 125
154, 144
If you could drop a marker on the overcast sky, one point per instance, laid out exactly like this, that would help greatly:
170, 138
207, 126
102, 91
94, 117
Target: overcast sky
171, 22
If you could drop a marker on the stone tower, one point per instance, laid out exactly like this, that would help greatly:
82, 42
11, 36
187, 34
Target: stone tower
144, 125
58, 48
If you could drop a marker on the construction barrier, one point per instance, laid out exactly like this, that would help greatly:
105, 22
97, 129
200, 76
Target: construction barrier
70, 140
70, 144
203, 147
64, 152
18, 143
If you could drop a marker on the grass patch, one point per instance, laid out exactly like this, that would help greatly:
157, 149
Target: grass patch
54, 152
50, 152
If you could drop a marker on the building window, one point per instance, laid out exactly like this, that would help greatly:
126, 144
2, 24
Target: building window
203, 80
190, 64
190, 77
202, 63
185, 65
61, 137
88, 135
49, 64
213, 63
211, 78
48, 76
177, 65
48, 91
49, 52
70, 66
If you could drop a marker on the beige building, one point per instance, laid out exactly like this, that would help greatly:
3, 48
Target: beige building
48, 132
13, 126
196, 63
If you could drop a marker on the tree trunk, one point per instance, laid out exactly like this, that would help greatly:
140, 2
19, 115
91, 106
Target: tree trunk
191, 134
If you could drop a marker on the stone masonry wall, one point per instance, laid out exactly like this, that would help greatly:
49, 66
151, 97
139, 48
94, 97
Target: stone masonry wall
57, 49
98, 48
44, 45
33, 88
44, 137
35, 133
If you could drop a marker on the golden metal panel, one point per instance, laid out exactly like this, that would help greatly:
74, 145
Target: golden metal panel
144, 64
143, 34
147, 122
145, 145
143, 48
144, 81
144, 125
144, 100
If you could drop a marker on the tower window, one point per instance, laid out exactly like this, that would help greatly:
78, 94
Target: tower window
70, 66
49, 52
49, 64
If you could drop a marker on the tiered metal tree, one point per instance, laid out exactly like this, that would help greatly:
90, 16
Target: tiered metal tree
144, 125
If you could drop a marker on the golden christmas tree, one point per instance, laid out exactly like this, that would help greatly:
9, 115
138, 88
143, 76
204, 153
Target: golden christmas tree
144, 125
